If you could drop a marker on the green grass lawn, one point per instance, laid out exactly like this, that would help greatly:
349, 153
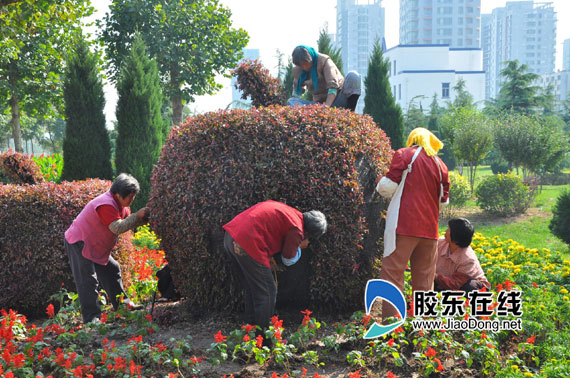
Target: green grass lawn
531, 231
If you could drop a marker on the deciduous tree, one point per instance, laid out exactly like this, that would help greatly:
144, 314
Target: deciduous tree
191, 40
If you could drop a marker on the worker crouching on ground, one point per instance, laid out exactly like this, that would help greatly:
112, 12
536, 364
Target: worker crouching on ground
457, 265
254, 236
89, 242
417, 184
321, 77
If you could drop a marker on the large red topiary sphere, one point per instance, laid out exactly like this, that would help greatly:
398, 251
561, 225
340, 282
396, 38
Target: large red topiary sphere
217, 165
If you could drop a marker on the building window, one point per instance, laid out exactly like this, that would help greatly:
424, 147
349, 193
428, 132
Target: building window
394, 91
444, 90
399, 91
395, 72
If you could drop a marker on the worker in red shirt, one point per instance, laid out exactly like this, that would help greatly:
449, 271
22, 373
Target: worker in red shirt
417, 184
254, 236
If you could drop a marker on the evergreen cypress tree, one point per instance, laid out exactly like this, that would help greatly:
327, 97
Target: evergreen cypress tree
139, 120
86, 147
379, 102
325, 46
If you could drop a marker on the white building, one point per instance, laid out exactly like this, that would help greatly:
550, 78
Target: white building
359, 23
237, 101
456, 23
418, 71
522, 30
566, 56
560, 82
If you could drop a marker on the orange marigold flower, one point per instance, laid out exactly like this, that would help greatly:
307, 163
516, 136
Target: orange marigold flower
356, 374
391, 375
439, 366
259, 340
246, 338
530, 340
391, 342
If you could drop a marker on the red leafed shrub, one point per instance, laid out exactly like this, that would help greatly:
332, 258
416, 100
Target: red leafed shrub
20, 169
33, 260
217, 165
256, 82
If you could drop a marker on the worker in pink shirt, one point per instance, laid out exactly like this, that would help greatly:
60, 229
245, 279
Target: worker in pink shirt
457, 265
417, 183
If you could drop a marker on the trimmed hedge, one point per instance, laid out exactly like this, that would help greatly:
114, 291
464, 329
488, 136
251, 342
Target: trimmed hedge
20, 169
33, 260
217, 165
256, 83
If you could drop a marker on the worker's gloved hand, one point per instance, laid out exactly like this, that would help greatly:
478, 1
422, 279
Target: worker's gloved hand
293, 260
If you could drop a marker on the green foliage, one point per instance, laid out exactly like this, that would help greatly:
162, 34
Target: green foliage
379, 102
459, 190
217, 165
462, 97
325, 46
288, 78
86, 148
182, 36
139, 119
560, 223
503, 195
19, 169
530, 142
51, 166
256, 83
517, 93
473, 138
414, 118
33, 220
35, 36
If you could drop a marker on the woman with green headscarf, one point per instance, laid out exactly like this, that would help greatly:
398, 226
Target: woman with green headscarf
318, 74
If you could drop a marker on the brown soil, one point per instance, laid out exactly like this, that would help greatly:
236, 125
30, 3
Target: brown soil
478, 217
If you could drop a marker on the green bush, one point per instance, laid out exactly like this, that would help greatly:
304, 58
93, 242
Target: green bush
33, 261
50, 166
503, 194
459, 190
217, 165
560, 223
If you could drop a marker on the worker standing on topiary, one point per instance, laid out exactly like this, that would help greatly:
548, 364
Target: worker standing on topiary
89, 242
254, 236
318, 73
417, 183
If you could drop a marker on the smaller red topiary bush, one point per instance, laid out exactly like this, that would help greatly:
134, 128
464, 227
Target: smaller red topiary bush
20, 169
33, 261
256, 82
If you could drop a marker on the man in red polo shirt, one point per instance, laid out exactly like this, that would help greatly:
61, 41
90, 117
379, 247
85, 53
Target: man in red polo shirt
254, 236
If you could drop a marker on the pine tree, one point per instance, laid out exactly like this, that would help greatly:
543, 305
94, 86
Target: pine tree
379, 102
86, 147
139, 120
325, 46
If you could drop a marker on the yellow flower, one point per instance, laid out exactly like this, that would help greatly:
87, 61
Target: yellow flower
563, 291
515, 367
528, 374
541, 307
565, 298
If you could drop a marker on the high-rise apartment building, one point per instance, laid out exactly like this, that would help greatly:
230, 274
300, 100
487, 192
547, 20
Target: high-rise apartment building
522, 30
456, 23
358, 25
566, 56
237, 101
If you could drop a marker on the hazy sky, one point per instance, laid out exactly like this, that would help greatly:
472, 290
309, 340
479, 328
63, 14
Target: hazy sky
284, 24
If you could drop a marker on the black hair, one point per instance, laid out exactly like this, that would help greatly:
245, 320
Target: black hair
301, 55
461, 231
125, 184
314, 224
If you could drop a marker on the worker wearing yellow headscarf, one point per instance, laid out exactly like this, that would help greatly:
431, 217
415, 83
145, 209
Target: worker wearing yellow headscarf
417, 183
